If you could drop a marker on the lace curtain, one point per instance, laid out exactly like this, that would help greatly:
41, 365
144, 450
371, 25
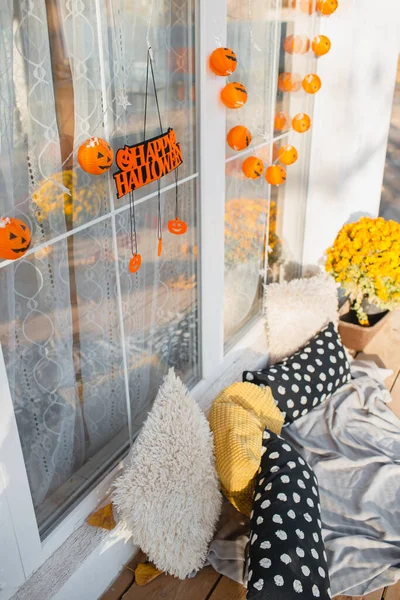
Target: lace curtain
86, 344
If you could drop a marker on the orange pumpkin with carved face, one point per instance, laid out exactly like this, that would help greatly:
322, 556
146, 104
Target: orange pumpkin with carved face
321, 45
289, 82
301, 123
287, 154
95, 156
275, 175
234, 95
223, 62
177, 226
311, 83
327, 7
238, 137
15, 238
252, 167
135, 263
281, 121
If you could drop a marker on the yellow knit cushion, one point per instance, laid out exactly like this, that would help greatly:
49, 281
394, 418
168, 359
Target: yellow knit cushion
238, 418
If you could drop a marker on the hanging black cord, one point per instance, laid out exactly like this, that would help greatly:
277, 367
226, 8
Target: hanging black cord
150, 63
155, 92
159, 230
132, 223
176, 192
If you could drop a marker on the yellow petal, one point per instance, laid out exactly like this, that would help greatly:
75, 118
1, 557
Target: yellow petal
144, 573
103, 517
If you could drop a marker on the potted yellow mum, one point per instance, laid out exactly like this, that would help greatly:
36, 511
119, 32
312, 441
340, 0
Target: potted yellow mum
365, 260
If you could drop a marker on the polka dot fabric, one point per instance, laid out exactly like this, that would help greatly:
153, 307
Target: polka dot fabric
287, 559
308, 377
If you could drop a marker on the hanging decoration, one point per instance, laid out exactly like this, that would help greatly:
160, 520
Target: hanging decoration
275, 175
306, 6
234, 95
327, 7
177, 226
252, 167
15, 238
223, 62
321, 45
301, 123
238, 137
136, 260
281, 121
289, 82
287, 154
311, 83
296, 44
95, 156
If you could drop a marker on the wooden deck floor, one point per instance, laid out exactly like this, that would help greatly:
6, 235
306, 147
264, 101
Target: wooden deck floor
209, 585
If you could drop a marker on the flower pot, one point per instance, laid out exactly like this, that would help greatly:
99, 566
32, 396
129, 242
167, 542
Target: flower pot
355, 336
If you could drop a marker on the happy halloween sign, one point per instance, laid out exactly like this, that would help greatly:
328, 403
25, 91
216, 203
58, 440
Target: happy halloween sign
146, 162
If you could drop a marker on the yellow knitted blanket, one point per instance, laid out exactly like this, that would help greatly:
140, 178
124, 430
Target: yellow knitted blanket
237, 419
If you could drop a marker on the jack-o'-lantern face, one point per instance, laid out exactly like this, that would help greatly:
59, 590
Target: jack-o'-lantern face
252, 167
234, 95
289, 82
238, 137
177, 226
281, 121
135, 263
296, 44
287, 154
95, 156
223, 62
327, 7
275, 175
311, 83
15, 238
321, 45
301, 123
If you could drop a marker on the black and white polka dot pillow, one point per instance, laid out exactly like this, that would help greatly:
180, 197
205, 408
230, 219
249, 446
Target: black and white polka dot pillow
307, 378
287, 558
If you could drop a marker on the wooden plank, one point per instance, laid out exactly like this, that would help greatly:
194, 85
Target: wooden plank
124, 580
228, 590
166, 587
392, 592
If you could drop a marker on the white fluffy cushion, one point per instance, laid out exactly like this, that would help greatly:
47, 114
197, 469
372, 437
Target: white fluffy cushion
297, 310
169, 496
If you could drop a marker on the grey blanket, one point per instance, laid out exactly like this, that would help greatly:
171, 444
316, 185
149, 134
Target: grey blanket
352, 441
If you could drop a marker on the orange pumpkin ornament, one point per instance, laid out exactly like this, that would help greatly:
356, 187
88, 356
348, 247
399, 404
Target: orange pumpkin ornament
95, 156
135, 263
159, 247
223, 62
238, 137
301, 123
275, 175
252, 167
15, 238
287, 154
296, 44
234, 95
281, 121
289, 82
177, 226
321, 45
327, 7
311, 83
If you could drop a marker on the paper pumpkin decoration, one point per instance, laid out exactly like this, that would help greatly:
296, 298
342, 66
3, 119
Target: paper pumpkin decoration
223, 62
238, 137
301, 123
311, 83
306, 6
321, 45
177, 226
289, 82
15, 238
234, 95
327, 7
95, 156
275, 175
135, 263
281, 121
296, 44
252, 167
287, 154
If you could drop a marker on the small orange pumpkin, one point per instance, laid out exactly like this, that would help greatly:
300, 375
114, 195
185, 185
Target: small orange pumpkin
15, 238
296, 44
306, 6
289, 82
177, 226
252, 167
234, 95
238, 137
159, 247
135, 263
275, 175
321, 45
95, 156
327, 7
311, 83
281, 121
301, 123
223, 62
287, 154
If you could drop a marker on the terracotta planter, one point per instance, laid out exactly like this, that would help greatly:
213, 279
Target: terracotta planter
355, 336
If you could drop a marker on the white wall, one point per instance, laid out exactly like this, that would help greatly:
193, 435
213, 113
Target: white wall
351, 118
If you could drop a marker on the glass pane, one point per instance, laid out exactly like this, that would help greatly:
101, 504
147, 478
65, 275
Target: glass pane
86, 343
